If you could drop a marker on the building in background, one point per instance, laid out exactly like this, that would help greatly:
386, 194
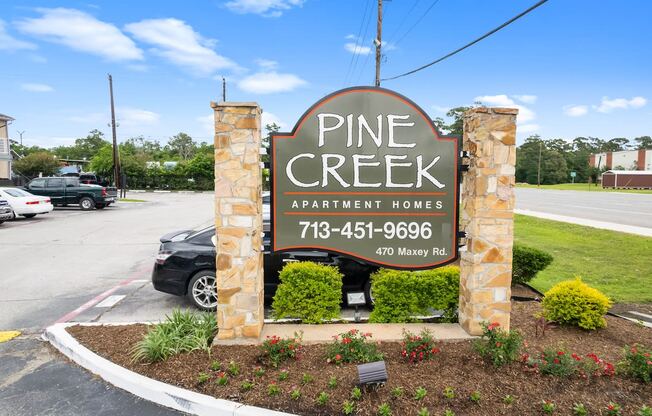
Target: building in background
5, 150
623, 160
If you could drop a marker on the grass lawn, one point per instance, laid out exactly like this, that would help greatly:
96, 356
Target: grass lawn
584, 187
619, 264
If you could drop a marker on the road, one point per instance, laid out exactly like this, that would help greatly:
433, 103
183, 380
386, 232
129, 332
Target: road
628, 210
53, 264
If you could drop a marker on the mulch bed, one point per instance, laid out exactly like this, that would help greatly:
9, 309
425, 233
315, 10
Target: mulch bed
457, 366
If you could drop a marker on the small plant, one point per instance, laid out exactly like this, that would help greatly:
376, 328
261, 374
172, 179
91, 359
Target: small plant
356, 393
332, 382
423, 412
216, 366
548, 407
283, 375
181, 332
557, 363
306, 379
509, 399
234, 369
419, 347
613, 409
353, 347
203, 378
295, 394
594, 366
637, 362
322, 399
573, 302
259, 371
644, 411
420, 393
384, 410
580, 410
222, 379
246, 385
449, 393
475, 397
276, 350
273, 390
527, 262
449, 412
397, 392
348, 408
499, 346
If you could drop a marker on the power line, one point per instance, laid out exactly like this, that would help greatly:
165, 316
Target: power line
366, 59
357, 40
400, 26
417, 22
486, 35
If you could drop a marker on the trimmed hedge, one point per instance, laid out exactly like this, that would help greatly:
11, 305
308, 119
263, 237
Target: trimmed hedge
573, 302
528, 261
399, 295
309, 291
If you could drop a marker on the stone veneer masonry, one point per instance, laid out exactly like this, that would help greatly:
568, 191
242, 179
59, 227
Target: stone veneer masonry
238, 221
487, 216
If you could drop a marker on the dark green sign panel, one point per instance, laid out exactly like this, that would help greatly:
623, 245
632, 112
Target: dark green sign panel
365, 173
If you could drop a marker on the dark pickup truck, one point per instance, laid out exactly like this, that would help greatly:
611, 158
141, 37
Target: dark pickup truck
67, 190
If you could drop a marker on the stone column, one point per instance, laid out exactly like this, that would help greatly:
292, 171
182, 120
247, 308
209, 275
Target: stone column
487, 217
238, 221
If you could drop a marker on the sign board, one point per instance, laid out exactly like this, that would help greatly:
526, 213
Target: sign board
365, 173
573, 174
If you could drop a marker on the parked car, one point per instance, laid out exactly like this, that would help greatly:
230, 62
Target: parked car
5, 211
185, 266
68, 190
25, 204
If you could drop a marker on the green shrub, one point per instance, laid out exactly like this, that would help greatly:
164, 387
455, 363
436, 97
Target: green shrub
497, 345
573, 302
527, 262
181, 332
309, 291
399, 294
637, 362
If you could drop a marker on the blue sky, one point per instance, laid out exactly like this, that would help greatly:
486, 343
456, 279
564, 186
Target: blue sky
574, 68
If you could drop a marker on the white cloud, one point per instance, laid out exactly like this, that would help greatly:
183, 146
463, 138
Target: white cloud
357, 49
527, 99
10, 43
607, 105
528, 128
90, 118
524, 113
270, 82
36, 87
576, 110
270, 118
83, 32
177, 42
129, 116
267, 64
267, 8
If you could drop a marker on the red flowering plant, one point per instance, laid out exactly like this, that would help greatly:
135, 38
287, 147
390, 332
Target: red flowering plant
594, 366
352, 347
499, 346
275, 350
420, 347
560, 363
637, 362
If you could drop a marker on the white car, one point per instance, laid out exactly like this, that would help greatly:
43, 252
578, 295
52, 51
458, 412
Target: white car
25, 204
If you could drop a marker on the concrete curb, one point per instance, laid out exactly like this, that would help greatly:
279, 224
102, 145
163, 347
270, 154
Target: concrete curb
155, 391
159, 191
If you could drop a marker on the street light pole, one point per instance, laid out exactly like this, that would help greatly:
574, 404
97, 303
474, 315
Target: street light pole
116, 154
20, 133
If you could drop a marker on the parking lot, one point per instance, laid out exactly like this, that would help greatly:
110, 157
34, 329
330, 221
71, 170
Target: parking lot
55, 263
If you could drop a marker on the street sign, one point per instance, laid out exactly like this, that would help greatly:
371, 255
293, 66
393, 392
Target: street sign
365, 173
573, 174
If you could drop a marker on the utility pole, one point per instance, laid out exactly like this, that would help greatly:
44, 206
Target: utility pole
379, 41
116, 153
539, 167
21, 136
223, 89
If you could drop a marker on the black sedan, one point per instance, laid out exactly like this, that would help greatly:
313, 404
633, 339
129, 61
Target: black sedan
185, 266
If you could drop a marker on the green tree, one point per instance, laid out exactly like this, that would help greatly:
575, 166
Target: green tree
643, 142
201, 166
456, 126
40, 162
615, 145
182, 146
84, 147
554, 168
24, 150
130, 164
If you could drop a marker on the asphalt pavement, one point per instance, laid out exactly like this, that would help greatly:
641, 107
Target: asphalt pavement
54, 268
626, 211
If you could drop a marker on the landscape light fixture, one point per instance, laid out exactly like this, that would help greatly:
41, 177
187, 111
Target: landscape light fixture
372, 374
356, 299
